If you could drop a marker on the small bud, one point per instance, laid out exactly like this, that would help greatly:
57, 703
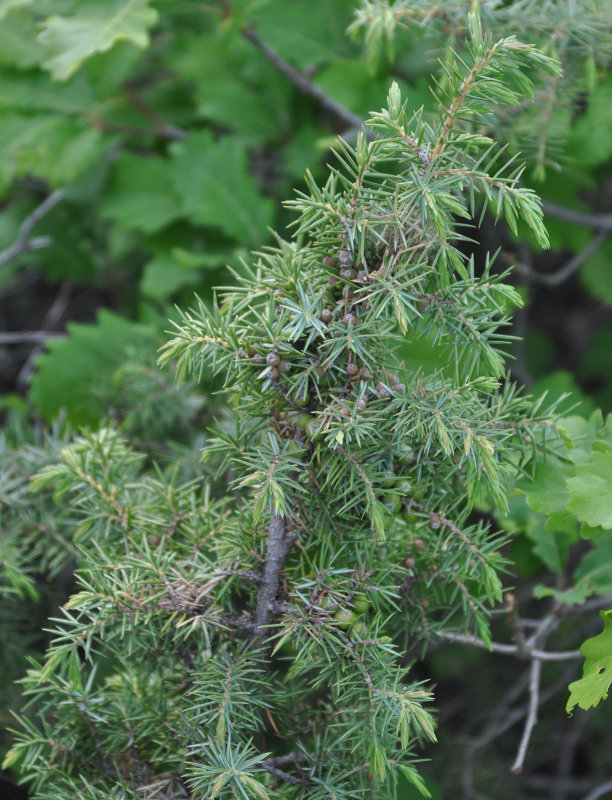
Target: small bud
273, 373
362, 403
410, 562
330, 261
362, 276
352, 369
348, 274
382, 392
349, 318
345, 412
154, 540
278, 293
332, 280
419, 544
398, 388
365, 373
272, 359
284, 366
326, 315
320, 371
345, 259
424, 603
435, 522
347, 293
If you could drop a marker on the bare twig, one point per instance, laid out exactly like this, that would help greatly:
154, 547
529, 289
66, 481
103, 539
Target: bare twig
272, 766
305, 85
161, 127
514, 621
501, 720
599, 222
53, 315
24, 243
528, 651
568, 269
532, 715
600, 790
21, 337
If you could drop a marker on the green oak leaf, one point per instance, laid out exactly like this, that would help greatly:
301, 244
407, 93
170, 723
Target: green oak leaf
166, 273
140, 195
547, 491
597, 671
591, 488
94, 27
215, 187
50, 146
9, 5
75, 373
18, 44
592, 576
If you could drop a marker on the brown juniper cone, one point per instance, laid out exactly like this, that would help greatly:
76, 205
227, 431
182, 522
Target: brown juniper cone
345, 259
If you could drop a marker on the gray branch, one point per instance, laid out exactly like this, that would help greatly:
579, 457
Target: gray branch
305, 85
278, 545
21, 337
532, 714
24, 243
601, 222
600, 790
568, 269
511, 649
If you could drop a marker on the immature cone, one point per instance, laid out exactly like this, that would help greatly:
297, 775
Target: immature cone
345, 259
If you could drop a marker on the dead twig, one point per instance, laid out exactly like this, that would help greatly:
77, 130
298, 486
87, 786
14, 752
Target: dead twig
532, 714
600, 790
21, 337
23, 243
599, 222
568, 269
527, 652
299, 79
52, 317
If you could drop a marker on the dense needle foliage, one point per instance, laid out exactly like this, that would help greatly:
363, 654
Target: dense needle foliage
247, 640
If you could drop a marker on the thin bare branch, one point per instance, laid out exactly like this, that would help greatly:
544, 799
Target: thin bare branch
532, 715
600, 790
161, 127
599, 222
511, 649
568, 269
24, 243
305, 85
52, 317
21, 337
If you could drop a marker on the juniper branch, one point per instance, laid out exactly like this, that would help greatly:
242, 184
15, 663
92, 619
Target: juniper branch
278, 544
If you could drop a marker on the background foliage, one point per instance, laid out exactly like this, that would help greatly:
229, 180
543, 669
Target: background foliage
173, 131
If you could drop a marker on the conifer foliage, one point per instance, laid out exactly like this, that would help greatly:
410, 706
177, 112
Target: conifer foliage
248, 640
